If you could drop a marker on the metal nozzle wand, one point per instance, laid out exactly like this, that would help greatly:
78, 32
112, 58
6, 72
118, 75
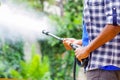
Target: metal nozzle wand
50, 34
74, 46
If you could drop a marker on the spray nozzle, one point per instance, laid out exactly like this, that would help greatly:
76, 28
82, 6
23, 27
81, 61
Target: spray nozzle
45, 32
50, 34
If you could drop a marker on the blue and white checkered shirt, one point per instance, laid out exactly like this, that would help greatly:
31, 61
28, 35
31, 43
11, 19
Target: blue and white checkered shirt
98, 13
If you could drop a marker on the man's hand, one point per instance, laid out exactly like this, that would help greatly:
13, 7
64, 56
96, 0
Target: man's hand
68, 41
81, 53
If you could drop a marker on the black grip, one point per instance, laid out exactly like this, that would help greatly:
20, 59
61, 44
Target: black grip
74, 46
84, 61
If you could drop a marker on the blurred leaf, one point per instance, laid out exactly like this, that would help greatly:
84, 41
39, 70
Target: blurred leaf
35, 69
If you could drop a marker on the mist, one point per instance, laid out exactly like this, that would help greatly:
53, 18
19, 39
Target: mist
16, 22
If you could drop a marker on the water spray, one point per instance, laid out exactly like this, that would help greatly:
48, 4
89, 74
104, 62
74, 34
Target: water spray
74, 46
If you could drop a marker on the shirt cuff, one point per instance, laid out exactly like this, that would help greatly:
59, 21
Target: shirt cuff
109, 19
113, 18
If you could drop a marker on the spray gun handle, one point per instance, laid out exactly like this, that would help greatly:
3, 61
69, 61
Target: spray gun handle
74, 46
84, 61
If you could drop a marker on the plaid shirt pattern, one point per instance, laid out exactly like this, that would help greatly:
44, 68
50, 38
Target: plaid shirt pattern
98, 13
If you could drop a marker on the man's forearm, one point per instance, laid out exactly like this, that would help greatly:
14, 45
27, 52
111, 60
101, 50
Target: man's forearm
107, 34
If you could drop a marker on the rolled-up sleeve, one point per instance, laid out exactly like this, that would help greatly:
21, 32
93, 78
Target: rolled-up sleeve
112, 11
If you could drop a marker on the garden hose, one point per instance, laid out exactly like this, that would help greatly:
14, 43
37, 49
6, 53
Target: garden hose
74, 46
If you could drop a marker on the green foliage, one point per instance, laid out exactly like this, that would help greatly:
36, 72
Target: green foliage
35, 69
11, 53
12, 64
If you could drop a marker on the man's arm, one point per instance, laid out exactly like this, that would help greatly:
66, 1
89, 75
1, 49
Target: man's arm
107, 34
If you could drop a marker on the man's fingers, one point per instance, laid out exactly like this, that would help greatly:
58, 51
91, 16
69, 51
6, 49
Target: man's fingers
77, 54
78, 57
67, 44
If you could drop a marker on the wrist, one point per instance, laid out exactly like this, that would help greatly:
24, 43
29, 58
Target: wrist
79, 42
88, 50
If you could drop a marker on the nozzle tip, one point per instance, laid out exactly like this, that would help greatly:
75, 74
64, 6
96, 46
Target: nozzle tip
45, 32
